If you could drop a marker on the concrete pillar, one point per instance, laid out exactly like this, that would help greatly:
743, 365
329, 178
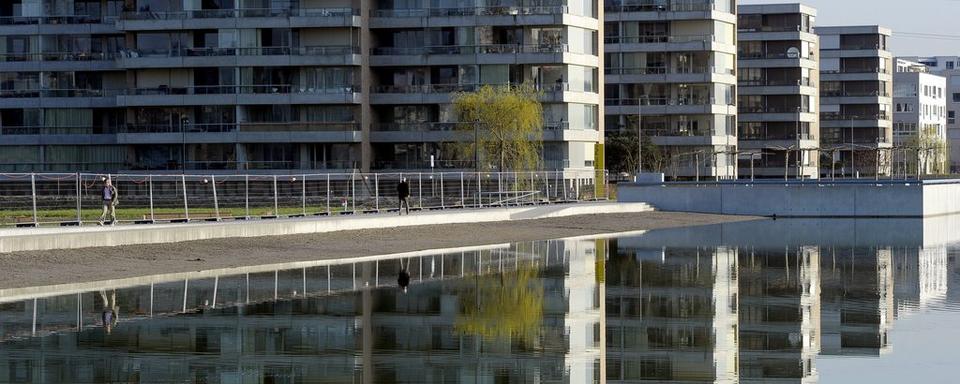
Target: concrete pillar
305, 157
241, 156
366, 81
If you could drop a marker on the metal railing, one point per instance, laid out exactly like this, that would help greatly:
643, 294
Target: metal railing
471, 11
34, 199
240, 13
472, 49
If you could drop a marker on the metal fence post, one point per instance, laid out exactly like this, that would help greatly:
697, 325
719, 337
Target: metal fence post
463, 198
442, 206
216, 202
186, 208
576, 184
376, 191
479, 190
500, 186
353, 191
328, 194
564, 187
276, 199
33, 193
150, 193
303, 197
246, 196
79, 199
420, 189
546, 183
533, 186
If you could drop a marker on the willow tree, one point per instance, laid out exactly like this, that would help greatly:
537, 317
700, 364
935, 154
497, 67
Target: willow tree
502, 125
932, 152
503, 307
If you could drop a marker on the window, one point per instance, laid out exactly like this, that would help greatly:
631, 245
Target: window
949, 65
956, 97
951, 117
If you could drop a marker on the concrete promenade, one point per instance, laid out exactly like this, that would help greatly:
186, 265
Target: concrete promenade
40, 239
806, 198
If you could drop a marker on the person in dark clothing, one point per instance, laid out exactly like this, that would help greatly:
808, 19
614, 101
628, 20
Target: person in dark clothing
403, 279
403, 192
111, 312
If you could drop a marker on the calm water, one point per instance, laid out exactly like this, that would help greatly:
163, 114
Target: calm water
788, 301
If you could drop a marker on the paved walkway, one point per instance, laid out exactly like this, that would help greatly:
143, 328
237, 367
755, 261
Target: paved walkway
49, 238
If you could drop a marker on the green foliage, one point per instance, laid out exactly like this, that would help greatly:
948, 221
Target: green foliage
510, 123
932, 151
503, 307
621, 150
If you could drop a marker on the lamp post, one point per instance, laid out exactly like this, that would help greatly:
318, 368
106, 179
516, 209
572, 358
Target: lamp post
639, 137
183, 143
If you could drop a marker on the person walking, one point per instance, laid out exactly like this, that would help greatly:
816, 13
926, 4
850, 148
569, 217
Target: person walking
403, 193
110, 198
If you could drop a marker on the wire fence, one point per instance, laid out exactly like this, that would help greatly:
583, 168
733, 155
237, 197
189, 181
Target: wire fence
34, 199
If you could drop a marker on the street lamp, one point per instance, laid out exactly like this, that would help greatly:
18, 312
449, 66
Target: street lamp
183, 143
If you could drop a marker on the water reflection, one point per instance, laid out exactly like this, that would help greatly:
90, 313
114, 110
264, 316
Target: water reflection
765, 301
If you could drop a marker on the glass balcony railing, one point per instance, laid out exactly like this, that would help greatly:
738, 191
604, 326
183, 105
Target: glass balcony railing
775, 136
449, 126
66, 92
145, 14
771, 55
659, 39
247, 51
697, 70
471, 11
57, 56
866, 93
472, 49
242, 89
770, 109
55, 20
659, 6
805, 82
452, 88
662, 101
833, 116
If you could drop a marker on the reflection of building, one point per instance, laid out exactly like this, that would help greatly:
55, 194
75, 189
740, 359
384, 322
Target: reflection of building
779, 314
920, 278
258, 326
856, 300
672, 315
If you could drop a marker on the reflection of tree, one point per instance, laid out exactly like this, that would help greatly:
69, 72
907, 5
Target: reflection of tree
504, 306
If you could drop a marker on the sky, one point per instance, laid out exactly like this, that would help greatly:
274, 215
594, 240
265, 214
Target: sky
938, 17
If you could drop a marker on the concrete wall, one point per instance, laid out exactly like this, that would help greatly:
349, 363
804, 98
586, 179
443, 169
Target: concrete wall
801, 199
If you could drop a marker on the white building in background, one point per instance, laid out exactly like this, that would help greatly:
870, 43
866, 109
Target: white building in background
949, 68
919, 111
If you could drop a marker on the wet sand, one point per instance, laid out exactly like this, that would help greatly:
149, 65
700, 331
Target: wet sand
26, 269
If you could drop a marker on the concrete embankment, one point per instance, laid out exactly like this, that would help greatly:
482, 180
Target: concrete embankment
842, 198
40, 239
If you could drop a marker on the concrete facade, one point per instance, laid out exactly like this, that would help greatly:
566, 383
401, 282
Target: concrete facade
671, 69
919, 120
856, 83
778, 77
299, 84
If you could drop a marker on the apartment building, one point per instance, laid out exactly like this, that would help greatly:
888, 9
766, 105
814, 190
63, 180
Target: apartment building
275, 85
670, 69
919, 120
949, 68
778, 78
856, 80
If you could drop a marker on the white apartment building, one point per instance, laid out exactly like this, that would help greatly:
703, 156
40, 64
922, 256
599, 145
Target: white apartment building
948, 67
856, 82
275, 85
778, 78
919, 119
671, 69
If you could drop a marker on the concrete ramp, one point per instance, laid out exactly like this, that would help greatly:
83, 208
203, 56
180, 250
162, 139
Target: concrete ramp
39, 239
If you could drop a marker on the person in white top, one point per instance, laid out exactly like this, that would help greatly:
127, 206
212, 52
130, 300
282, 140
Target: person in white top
110, 198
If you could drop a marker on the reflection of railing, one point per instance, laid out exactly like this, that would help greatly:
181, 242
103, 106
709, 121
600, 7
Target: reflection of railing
30, 199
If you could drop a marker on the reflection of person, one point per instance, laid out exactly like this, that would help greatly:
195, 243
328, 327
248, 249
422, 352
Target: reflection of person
403, 279
403, 192
109, 194
111, 312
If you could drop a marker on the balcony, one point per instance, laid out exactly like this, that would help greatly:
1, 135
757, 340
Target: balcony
773, 56
695, 105
804, 82
489, 15
697, 74
58, 98
58, 61
771, 109
479, 54
251, 56
53, 20
57, 25
262, 94
443, 93
240, 18
660, 6
831, 116
874, 93
665, 43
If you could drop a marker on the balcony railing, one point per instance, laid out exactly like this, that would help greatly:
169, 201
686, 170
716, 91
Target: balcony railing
55, 20
241, 13
858, 70
660, 6
833, 116
698, 70
57, 56
659, 39
854, 94
804, 82
449, 126
775, 28
661, 101
473, 49
772, 55
770, 109
243, 89
451, 88
775, 136
34, 93
248, 51
472, 11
